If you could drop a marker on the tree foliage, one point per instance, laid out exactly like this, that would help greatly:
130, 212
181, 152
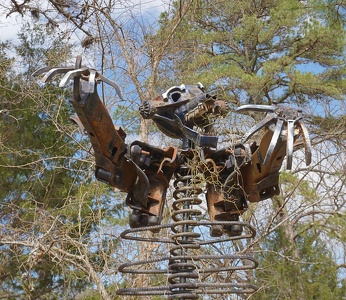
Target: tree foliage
49, 200
259, 51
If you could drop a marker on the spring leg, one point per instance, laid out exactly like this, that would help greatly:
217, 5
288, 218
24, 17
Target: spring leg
182, 268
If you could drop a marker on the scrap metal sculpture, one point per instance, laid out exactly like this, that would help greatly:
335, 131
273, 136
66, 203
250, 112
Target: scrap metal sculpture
232, 176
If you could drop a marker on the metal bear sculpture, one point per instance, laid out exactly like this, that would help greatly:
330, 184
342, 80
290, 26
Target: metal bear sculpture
235, 175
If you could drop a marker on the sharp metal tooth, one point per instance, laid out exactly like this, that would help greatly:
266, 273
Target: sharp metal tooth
113, 84
307, 142
55, 71
265, 122
273, 141
290, 141
254, 107
41, 71
71, 74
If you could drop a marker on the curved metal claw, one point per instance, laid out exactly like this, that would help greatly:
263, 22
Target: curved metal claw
41, 71
255, 107
307, 142
92, 80
269, 119
274, 141
89, 74
290, 142
78, 122
288, 122
71, 74
111, 83
54, 71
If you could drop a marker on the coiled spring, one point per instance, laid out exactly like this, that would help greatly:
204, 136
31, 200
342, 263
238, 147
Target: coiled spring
195, 266
182, 268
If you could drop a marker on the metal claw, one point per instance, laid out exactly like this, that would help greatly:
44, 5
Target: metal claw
307, 142
41, 71
290, 141
78, 122
71, 74
265, 122
111, 83
92, 80
51, 73
254, 107
273, 141
283, 115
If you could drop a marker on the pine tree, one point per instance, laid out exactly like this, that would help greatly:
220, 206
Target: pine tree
50, 202
258, 51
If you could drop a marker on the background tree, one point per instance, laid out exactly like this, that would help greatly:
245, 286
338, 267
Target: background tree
50, 204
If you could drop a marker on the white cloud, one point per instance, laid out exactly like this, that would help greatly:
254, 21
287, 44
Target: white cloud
154, 6
10, 26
